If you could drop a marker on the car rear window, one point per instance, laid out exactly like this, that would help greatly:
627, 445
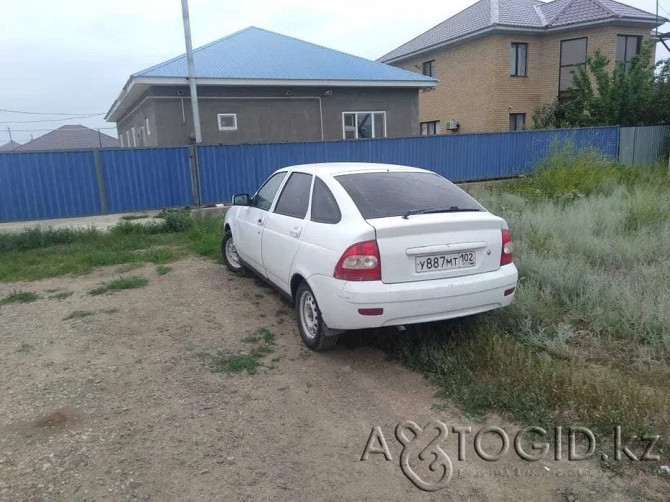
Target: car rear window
386, 194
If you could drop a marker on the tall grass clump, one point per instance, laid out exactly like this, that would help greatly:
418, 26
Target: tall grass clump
40, 237
568, 174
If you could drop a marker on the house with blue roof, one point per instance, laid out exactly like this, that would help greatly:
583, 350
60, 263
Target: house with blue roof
498, 60
257, 86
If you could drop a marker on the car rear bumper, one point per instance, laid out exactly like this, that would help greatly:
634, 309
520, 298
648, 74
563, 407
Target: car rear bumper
413, 302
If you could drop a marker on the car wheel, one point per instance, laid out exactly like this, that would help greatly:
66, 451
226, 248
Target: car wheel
229, 254
313, 330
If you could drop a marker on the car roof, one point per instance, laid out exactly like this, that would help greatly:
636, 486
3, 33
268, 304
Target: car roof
337, 168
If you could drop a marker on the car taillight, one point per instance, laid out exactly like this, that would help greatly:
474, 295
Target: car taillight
360, 262
507, 248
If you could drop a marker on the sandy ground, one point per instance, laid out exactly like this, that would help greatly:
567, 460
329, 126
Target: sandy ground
121, 405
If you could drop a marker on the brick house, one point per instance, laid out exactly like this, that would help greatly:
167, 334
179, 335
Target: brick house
499, 59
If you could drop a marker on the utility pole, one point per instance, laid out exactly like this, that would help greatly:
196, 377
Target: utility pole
191, 72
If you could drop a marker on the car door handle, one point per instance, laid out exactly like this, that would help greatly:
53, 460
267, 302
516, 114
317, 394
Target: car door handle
259, 221
296, 231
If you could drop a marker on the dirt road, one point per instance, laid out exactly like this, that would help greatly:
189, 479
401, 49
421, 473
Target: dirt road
119, 402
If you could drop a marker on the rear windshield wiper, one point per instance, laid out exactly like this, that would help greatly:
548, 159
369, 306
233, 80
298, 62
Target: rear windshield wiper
434, 210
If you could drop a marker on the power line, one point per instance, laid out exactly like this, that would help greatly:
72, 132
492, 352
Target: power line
52, 120
44, 113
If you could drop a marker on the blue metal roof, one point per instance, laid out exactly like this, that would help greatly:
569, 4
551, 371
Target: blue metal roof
254, 53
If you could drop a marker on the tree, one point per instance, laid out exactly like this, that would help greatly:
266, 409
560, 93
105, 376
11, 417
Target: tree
635, 95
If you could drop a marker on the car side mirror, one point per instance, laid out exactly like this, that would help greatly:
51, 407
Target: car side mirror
241, 199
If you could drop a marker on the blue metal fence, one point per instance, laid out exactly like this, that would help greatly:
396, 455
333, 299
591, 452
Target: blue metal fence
227, 170
48, 185
78, 183
147, 178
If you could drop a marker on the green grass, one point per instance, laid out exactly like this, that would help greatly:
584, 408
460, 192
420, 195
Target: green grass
226, 362
25, 348
78, 314
41, 253
588, 338
120, 284
268, 336
19, 297
163, 269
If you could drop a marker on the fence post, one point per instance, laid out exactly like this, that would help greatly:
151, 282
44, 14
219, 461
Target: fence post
195, 174
101, 181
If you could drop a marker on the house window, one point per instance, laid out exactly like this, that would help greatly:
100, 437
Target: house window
627, 47
573, 57
362, 125
227, 121
428, 68
430, 128
518, 59
517, 121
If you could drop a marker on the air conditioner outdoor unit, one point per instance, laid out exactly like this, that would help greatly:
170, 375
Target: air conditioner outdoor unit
451, 125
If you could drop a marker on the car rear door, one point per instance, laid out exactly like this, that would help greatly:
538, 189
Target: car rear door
252, 219
284, 228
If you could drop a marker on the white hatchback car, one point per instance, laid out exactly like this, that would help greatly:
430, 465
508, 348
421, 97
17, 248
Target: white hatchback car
357, 245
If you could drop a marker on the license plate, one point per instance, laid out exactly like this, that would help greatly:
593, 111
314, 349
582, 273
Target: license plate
450, 261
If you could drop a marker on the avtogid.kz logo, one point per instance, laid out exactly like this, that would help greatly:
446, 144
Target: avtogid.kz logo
428, 466
424, 444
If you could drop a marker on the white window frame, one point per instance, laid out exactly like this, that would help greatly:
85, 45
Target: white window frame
374, 127
224, 128
146, 121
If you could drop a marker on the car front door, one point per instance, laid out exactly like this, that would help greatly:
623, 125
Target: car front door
284, 228
252, 219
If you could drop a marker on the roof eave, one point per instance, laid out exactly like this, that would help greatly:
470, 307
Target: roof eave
114, 112
529, 30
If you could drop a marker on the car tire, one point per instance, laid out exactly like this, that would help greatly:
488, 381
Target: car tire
313, 330
229, 255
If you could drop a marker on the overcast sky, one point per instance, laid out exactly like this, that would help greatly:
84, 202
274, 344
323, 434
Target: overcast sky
73, 56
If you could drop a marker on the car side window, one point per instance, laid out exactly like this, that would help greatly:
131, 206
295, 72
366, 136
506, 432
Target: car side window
294, 199
324, 205
266, 194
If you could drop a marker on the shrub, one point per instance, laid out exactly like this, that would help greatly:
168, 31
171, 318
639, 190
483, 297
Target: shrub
178, 221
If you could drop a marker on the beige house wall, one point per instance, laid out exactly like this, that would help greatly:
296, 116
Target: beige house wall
475, 86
